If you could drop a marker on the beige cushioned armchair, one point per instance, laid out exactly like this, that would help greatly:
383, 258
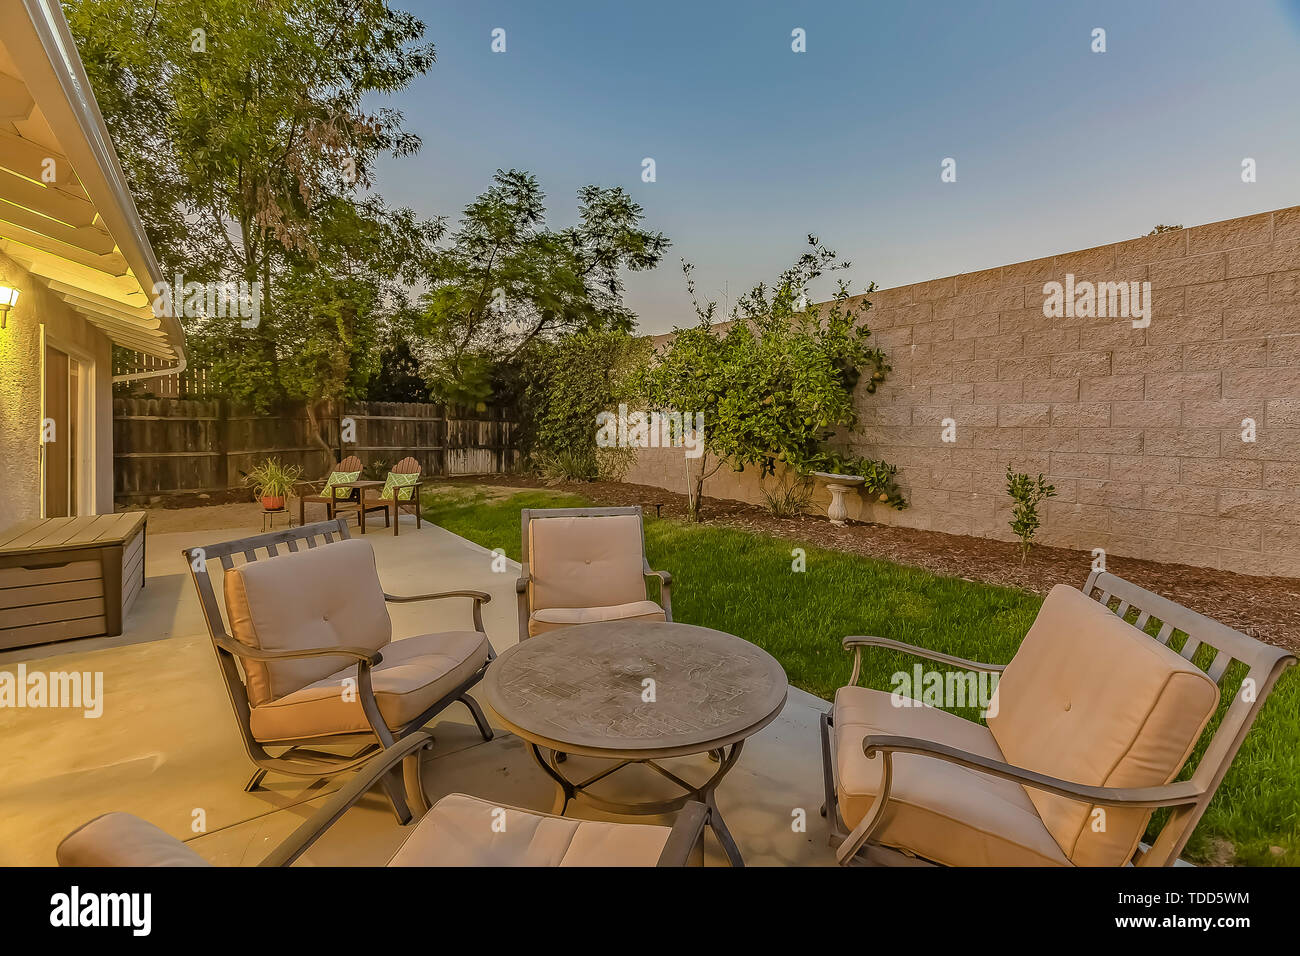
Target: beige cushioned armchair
582, 565
1092, 721
310, 660
329, 597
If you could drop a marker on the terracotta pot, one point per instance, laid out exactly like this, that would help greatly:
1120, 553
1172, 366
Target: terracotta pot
272, 503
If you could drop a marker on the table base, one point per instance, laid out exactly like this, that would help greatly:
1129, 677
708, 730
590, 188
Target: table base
576, 790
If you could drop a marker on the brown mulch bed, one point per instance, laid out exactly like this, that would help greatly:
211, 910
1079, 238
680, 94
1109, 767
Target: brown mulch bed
1264, 607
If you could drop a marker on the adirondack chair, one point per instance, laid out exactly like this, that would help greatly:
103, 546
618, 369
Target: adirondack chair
323, 494
403, 496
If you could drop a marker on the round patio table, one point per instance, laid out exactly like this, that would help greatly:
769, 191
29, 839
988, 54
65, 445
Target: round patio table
636, 692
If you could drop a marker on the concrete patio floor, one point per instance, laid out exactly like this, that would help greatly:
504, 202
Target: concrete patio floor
166, 747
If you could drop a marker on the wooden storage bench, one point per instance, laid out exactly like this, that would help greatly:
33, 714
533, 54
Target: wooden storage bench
62, 578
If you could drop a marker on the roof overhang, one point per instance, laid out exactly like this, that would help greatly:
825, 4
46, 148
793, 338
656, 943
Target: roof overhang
73, 224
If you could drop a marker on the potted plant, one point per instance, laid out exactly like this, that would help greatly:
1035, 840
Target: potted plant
271, 482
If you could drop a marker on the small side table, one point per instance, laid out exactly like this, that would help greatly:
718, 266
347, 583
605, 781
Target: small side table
268, 516
362, 485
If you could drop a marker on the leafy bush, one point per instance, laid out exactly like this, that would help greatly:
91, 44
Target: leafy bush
566, 465
565, 384
1027, 493
613, 463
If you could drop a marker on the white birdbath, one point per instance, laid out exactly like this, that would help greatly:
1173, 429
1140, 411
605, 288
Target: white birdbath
837, 485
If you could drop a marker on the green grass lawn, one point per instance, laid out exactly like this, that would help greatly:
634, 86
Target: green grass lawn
744, 583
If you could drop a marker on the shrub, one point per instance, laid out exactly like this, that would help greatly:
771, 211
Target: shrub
566, 383
1027, 493
789, 497
565, 465
613, 463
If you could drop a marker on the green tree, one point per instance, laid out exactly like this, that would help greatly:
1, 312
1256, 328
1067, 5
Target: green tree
506, 280
399, 378
778, 380
241, 129
337, 305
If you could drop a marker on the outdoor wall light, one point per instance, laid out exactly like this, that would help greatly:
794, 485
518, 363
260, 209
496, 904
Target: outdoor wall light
8, 299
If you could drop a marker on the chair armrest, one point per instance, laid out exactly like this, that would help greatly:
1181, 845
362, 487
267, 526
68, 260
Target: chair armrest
257, 654
856, 642
687, 835
521, 600
1168, 795
300, 841
665, 589
481, 596
663, 576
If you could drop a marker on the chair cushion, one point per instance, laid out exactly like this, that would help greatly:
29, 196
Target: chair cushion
400, 484
937, 810
340, 477
416, 673
324, 596
586, 562
460, 830
1091, 699
120, 839
552, 618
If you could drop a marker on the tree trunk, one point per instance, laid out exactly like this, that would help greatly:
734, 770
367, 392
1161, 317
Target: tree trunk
695, 486
314, 409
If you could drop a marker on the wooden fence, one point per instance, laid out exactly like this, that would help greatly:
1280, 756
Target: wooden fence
165, 446
192, 383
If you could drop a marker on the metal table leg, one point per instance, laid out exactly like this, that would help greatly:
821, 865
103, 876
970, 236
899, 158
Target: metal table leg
567, 790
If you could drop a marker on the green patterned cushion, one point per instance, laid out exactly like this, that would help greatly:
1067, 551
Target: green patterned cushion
401, 483
337, 478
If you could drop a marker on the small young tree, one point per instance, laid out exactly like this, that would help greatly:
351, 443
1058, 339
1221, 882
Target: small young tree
1027, 493
777, 382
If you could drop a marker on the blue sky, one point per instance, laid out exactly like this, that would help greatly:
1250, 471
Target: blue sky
1057, 148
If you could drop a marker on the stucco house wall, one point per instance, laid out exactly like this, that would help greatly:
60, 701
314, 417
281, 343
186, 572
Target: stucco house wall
20, 394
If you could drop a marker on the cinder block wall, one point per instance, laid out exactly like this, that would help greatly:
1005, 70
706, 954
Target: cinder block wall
1140, 429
